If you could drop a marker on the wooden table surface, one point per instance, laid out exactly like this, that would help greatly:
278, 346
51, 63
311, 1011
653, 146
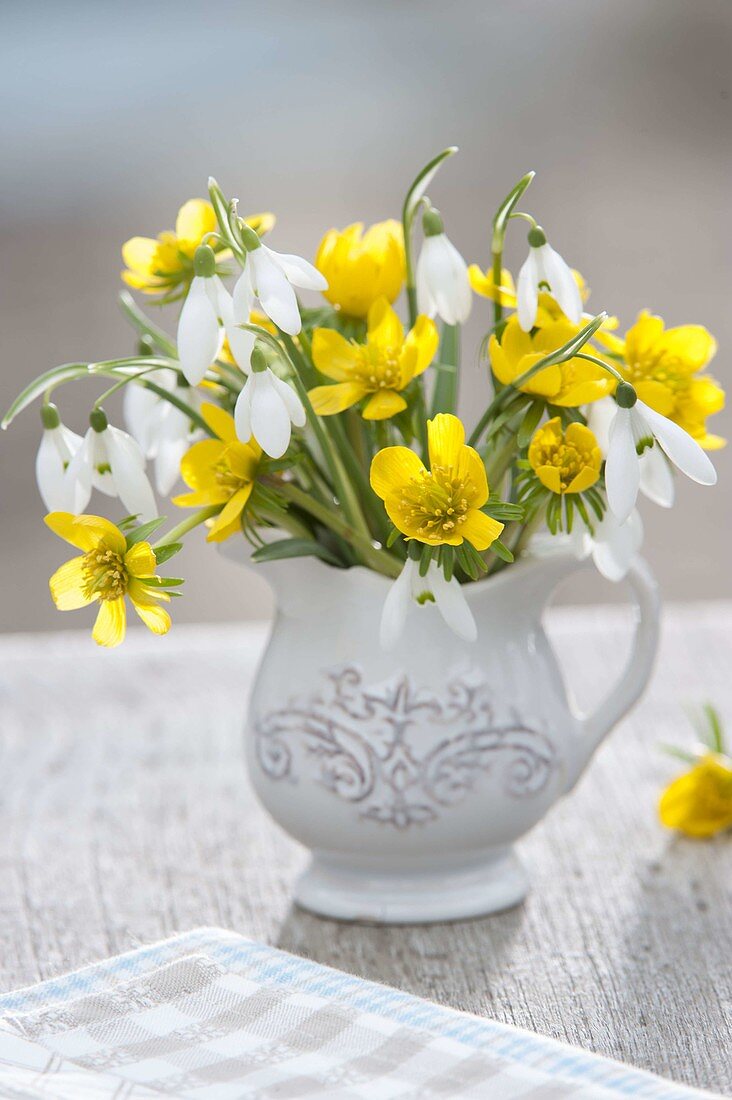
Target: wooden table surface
126, 815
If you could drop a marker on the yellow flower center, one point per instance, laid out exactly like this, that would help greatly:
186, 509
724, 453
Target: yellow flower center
226, 478
105, 574
664, 368
377, 367
436, 503
568, 459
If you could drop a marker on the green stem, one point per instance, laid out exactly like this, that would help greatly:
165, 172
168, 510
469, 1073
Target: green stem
144, 325
600, 363
497, 277
379, 560
188, 524
284, 520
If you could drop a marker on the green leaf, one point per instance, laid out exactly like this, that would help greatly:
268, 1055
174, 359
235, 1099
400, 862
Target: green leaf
294, 548
501, 550
421, 182
145, 326
445, 395
163, 582
140, 534
506, 209
162, 553
528, 425
716, 732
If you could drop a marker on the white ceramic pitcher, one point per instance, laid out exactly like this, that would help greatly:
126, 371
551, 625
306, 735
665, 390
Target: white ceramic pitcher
410, 775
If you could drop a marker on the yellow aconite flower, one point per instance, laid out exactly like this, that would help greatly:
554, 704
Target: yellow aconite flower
107, 571
379, 369
484, 284
699, 803
361, 267
665, 367
440, 505
570, 384
565, 461
155, 265
220, 471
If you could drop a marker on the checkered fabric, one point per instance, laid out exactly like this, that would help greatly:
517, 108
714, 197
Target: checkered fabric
212, 1016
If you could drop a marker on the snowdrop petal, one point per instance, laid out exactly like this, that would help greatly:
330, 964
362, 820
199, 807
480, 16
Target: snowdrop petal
564, 289
99, 461
656, 477
600, 416
684, 452
622, 471
241, 342
396, 607
425, 301
50, 474
298, 271
78, 478
616, 544
275, 294
271, 425
451, 604
527, 292
442, 280
198, 332
243, 410
167, 464
243, 297
130, 481
293, 404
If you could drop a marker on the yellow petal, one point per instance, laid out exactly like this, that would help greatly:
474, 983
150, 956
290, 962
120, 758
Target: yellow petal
333, 355
195, 218
384, 327
109, 629
68, 590
691, 346
145, 603
587, 476
140, 560
327, 400
383, 404
228, 519
445, 437
643, 337
550, 477
392, 468
480, 530
659, 397
699, 803
219, 421
139, 255
580, 436
471, 470
261, 223
424, 337
198, 469
86, 532
483, 284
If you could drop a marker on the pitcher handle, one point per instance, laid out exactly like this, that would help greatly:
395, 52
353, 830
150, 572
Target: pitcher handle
636, 674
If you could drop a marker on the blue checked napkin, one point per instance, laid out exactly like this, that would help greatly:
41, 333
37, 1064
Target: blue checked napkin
210, 1015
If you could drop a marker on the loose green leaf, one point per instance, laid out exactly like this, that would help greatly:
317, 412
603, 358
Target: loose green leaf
140, 534
422, 182
163, 553
501, 550
529, 424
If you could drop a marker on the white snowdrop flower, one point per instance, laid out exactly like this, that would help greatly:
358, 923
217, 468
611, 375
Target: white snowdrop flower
443, 284
614, 545
110, 460
163, 431
58, 446
634, 428
544, 269
656, 476
409, 590
270, 277
267, 408
207, 308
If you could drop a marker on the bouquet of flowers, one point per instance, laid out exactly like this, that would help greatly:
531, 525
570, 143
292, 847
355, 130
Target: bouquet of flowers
329, 427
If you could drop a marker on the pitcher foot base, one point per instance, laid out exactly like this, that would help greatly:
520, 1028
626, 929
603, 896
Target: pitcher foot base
474, 888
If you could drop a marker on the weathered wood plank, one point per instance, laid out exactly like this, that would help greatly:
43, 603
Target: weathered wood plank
125, 815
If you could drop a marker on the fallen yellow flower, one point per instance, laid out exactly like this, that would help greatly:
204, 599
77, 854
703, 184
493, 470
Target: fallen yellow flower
699, 803
379, 369
439, 506
107, 571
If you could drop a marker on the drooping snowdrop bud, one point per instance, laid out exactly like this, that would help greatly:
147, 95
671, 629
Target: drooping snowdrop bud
410, 590
270, 277
267, 408
58, 446
163, 431
635, 428
443, 284
110, 460
656, 476
544, 269
207, 306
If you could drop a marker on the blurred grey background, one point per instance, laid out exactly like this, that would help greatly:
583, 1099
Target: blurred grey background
114, 114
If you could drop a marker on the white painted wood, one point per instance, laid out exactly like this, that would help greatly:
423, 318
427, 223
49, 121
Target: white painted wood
125, 815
